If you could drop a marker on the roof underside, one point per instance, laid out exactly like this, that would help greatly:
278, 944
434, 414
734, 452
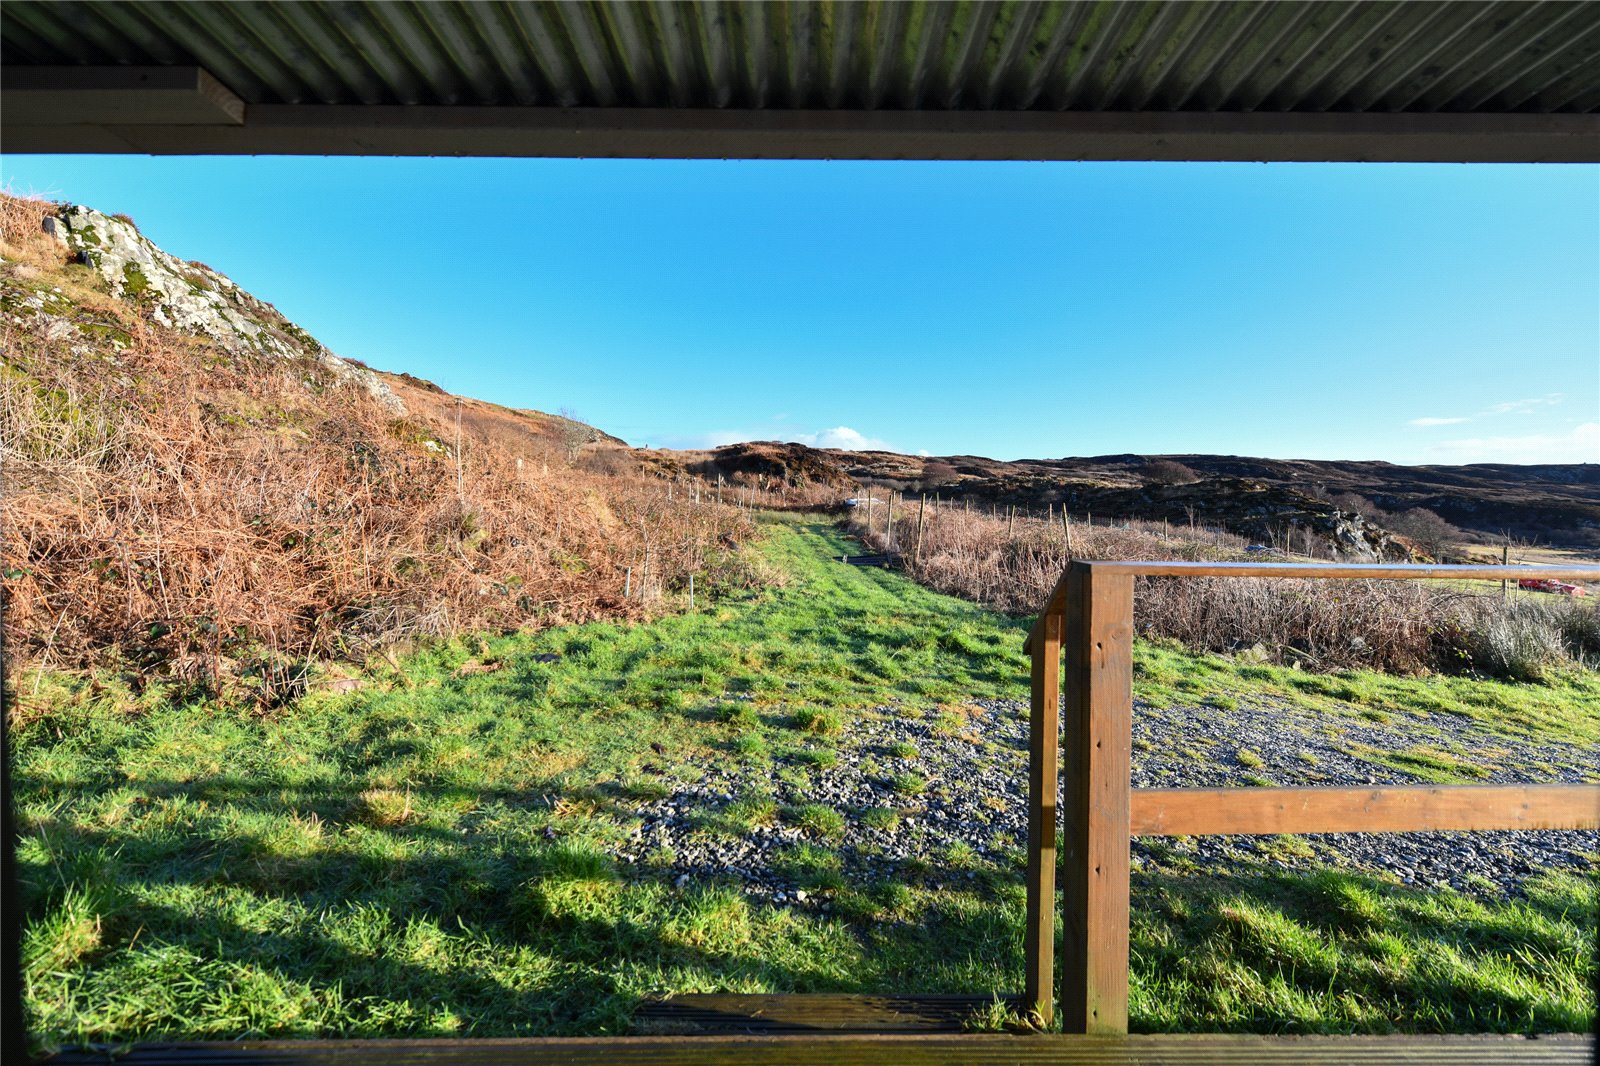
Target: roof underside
317, 74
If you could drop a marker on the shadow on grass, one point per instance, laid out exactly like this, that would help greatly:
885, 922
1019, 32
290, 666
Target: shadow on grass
241, 907
207, 902
1255, 949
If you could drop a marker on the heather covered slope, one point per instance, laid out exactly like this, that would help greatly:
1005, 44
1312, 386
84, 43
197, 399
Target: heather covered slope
1553, 504
196, 489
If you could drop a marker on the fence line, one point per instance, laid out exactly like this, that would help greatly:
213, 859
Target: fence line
1088, 619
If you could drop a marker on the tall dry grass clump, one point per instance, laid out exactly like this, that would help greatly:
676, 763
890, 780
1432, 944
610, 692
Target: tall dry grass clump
220, 517
1012, 563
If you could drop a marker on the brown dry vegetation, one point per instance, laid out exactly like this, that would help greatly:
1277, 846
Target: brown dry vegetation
206, 515
1544, 503
1405, 627
782, 476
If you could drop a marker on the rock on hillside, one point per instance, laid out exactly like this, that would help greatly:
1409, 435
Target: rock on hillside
194, 298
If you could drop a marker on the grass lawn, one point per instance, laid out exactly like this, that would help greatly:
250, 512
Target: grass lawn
432, 854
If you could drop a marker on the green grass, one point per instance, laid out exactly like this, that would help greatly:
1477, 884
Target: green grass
880, 817
818, 720
817, 758
429, 855
1559, 710
1426, 762
909, 784
816, 819
737, 819
1258, 951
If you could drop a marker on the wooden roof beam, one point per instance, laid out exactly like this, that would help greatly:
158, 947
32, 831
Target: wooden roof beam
77, 100
149, 121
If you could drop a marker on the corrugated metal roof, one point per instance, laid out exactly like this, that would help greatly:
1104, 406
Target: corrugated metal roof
1007, 55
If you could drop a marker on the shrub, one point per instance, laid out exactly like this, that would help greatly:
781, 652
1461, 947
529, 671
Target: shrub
213, 516
1580, 630
1322, 626
1522, 643
937, 474
1167, 472
1427, 530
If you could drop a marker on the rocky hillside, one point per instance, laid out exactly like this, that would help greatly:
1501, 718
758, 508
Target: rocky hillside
196, 488
188, 297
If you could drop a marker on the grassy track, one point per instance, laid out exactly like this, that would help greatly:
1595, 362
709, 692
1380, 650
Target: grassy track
430, 854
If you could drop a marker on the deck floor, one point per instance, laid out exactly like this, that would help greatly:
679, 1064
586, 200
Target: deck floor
728, 1014
876, 1050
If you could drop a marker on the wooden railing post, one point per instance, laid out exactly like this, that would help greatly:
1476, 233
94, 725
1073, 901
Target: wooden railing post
1098, 754
1043, 780
1089, 615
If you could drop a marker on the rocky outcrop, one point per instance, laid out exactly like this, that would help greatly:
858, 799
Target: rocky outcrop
1354, 538
193, 298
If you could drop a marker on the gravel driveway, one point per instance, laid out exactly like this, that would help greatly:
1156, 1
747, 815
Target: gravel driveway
971, 813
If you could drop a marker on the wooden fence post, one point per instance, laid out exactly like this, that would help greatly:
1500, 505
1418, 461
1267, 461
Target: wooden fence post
1039, 942
921, 507
1098, 754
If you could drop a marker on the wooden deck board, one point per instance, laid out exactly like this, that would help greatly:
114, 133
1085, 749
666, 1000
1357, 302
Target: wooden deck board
880, 1050
708, 1013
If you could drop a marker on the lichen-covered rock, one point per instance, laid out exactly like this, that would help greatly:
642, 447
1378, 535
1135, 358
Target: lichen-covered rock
1357, 540
196, 299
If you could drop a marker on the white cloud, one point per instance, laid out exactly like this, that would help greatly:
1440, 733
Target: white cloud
1581, 444
1523, 407
844, 438
1508, 407
841, 437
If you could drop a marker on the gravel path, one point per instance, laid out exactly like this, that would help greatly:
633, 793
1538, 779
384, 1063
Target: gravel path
970, 814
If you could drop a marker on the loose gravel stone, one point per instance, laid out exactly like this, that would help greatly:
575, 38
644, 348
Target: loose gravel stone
973, 809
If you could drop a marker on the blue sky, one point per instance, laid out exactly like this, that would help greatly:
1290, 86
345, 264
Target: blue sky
1409, 313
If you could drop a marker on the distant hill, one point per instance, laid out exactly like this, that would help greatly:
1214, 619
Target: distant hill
1555, 504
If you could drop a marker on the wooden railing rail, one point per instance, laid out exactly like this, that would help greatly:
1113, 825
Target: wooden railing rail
1089, 619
